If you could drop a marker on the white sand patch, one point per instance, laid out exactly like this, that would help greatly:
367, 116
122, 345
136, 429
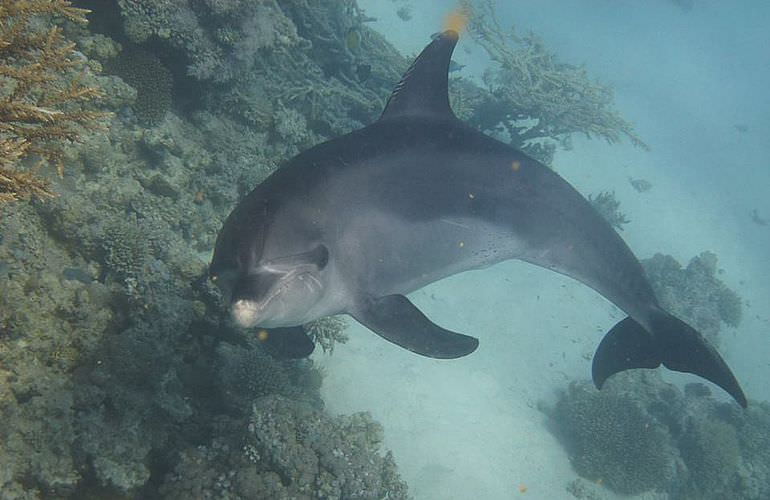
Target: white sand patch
470, 428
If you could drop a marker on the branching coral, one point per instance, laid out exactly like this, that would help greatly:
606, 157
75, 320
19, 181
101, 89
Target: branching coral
530, 83
43, 104
327, 332
609, 207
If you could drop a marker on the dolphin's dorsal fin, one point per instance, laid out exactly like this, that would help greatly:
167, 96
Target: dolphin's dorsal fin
424, 89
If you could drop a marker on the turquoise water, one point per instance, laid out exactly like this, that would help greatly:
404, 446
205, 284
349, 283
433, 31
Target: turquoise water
123, 375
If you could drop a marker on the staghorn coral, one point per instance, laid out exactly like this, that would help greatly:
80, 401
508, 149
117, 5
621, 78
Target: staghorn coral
530, 83
43, 104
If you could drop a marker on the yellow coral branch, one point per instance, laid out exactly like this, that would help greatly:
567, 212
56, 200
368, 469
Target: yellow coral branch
16, 185
41, 96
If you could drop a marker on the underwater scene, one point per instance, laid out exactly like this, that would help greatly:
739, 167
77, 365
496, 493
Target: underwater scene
384, 249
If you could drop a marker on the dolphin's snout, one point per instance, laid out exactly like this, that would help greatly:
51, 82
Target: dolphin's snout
245, 312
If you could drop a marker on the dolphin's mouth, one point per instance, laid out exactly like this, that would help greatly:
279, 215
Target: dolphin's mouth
247, 313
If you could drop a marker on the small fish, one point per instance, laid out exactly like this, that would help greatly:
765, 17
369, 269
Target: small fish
641, 185
404, 13
757, 219
741, 127
455, 66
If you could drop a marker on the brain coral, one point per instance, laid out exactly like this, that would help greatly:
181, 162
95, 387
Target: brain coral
151, 79
610, 437
244, 374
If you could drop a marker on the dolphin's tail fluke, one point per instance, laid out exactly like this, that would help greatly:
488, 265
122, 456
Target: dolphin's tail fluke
672, 342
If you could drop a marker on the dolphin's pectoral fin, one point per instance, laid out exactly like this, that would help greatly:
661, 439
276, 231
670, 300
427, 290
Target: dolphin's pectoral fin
397, 320
673, 343
286, 343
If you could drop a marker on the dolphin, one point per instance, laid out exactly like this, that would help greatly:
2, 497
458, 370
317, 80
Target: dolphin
352, 225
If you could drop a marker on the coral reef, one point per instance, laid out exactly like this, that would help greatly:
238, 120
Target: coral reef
115, 357
286, 450
712, 453
327, 332
244, 374
536, 96
613, 439
695, 293
149, 76
44, 102
700, 447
